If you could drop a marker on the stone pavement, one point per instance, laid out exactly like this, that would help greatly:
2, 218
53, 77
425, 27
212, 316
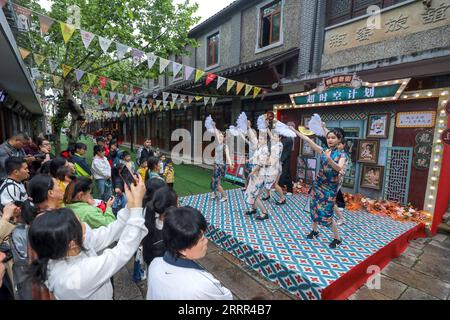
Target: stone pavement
422, 272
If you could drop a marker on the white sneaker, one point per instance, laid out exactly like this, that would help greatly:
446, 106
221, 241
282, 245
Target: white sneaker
340, 222
289, 193
224, 199
214, 196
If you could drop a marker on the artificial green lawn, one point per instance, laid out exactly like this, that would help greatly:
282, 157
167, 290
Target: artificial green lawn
189, 179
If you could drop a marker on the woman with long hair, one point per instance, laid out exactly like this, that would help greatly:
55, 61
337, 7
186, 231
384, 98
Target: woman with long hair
326, 185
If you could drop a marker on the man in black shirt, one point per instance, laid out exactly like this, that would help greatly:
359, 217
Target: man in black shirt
286, 178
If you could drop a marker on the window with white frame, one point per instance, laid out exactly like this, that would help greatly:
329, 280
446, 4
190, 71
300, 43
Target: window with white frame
270, 24
212, 50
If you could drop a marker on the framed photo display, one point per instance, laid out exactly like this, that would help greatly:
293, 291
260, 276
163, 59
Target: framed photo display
378, 126
372, 176
306, 149
368, 151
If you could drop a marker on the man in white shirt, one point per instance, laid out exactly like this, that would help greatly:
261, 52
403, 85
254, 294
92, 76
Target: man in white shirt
13, 189
176, 276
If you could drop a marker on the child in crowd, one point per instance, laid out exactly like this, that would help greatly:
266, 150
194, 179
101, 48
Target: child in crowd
162, 164
169, 173
153, 169
126, 160
143, 168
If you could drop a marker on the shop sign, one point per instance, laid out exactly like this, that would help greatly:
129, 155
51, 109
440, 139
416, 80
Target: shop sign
445, 137
421, 119
423, 150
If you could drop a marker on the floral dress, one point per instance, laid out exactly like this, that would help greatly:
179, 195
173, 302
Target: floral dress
257, 182
273, 171
219, 167
324, 189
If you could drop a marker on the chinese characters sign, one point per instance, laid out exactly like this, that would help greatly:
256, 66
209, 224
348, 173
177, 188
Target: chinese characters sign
423, 150
406, 19
424, 119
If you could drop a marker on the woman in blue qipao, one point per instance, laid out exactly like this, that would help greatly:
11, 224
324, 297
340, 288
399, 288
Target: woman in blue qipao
326, 185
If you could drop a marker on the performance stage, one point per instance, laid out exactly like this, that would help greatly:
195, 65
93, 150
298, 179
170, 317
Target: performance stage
278, 249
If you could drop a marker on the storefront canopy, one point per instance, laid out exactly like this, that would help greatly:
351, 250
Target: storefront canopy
14, 77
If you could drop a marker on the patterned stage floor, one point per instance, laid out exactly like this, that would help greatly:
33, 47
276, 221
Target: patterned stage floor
278, 249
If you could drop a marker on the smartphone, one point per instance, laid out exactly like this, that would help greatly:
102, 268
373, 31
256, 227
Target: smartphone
127, 176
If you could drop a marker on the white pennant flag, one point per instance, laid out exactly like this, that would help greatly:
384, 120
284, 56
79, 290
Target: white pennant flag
87, 38
155, 95
163, 63
132, 104
213, 101
190, 99
176, 67
104, 44
165, 103
183, 97
128, 99
206, 99
112, 94
158, 103
165, 96
121, 50
53, 65
151, 60
188, 72
120, 96
175, 96
220, 82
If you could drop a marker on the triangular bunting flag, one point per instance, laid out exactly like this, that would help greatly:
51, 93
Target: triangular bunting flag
198, 74
67, 31
139, 112
190, 99
213, 101
220, 82
188, 72
53, 65
230, 84
239, 87
56, 80
45, 22
38, 58
172, 104
66, 70
91, 78
103, 81
137, 56
165, 96
113, 84
94, 91
39, 83
85, 88
163, 63
120, 97
248, 88
112, 94
103, 93
87, 38
104, 44
24, 53
256, 92
79, 74
174, 96
158, 103
155, 95
151, 59
183, 97
210, 78
198, 98
121, 50
132, 104
176, 67
206, 100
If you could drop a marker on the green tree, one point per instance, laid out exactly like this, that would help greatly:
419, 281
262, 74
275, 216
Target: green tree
157, 26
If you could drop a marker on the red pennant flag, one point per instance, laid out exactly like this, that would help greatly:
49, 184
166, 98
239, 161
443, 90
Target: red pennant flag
111, 101
103, 81
100, 102
210, 78
94, 91
136, 90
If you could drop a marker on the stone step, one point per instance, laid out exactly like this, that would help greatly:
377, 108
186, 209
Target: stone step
444, 228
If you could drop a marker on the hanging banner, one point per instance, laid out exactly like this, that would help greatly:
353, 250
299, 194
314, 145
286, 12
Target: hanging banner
56, 80
183, 97
85, 88
172, 104
113, 84
213, 101
165, 96
230, 84
239, 87
53, 65
248, 88
104, 44
158, 103
137, 56
79, 74
176, 68
188, 72
102, 81
206, 100
94, 91
163, 63
190, 99
45, 23
66, 70
39, 83
256, 92
38, 58
175, 96
87, 38
151, 59
120, 97
210, 78
91, 78
198, 74
67, 31
198, 98
121, 50
24, 53
220, 82
112, 94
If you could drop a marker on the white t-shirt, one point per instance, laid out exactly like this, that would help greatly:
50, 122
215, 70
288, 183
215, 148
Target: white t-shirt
12, 191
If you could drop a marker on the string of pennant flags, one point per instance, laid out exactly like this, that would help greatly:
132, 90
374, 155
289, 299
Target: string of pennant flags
137, 56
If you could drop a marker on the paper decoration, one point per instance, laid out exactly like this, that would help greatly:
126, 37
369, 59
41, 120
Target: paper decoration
120, 97
112, 94
151, 59
213, 101
230, 84
85, 88
188, 72
190, 99
239, 87
137, 56
103, 93
158, 103
248, 88
38, 58
67, 31
56, 80
91, 78
79, 74
53, 65
66, 70
94, 91
256, 92
183, 97
113, 84
104, 44
220, 82
103, 81
121, 50
172, 104
174, 96
24, 53
198, 74
165, 96
39, 83
163, 63
45, 23
176, 68
206, 100
210, 78
198, 98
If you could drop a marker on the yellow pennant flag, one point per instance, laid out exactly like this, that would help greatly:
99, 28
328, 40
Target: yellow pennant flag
198, 98
39, 83
139, 112
38, 58
172, 104
145, 110
198, 74
239, 87
256, 91
92, 78
114, 84
248, 88
85, 88
56, 80
67, 31
24, 53
103, 93
230, 84
66, 70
